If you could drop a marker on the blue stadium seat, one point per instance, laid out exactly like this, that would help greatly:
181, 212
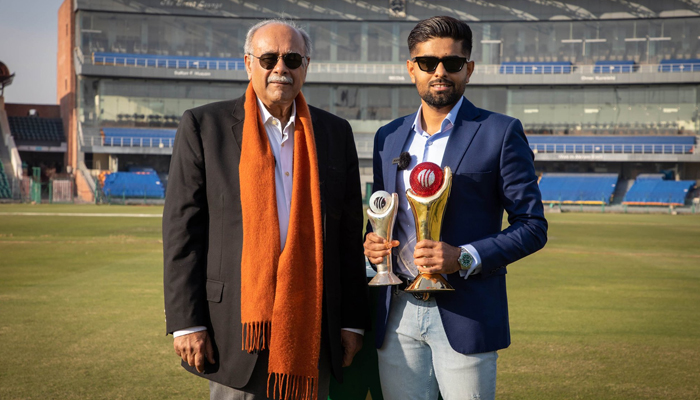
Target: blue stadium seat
35, 130
133, 184
653, 190
679, 65
138, 137
515, 67
608, 67
577, 188
612, 144
159, 61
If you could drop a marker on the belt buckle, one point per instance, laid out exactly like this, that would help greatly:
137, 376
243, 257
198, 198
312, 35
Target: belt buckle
422, 296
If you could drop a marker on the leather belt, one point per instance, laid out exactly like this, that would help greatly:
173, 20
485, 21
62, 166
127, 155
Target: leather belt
406, 283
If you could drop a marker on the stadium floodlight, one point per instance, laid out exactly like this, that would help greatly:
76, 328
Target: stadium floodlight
596, 40
635, 39
659, 39
572, 41
492, 41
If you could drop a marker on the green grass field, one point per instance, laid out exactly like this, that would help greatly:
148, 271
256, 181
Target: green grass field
608, 310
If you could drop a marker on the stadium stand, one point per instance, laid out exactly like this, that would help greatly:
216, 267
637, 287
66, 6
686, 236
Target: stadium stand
652, 189
159, 61
613, 144
133, 184
521, 67
35, 130
577, 188
138, 137
679, 65
608, 67
5, 191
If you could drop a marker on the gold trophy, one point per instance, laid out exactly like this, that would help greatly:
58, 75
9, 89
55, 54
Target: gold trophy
428, 195
382, 214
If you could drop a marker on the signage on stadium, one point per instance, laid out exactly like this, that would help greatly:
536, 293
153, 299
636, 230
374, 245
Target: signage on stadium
192, 73
195, 4
599, 78
580, 157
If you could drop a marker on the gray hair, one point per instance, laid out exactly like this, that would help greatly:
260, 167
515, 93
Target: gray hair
248, 47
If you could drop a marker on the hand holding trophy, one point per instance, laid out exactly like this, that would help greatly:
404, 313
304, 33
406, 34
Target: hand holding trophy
382, 214
428, 195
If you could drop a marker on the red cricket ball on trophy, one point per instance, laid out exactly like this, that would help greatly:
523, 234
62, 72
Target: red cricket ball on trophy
426, 179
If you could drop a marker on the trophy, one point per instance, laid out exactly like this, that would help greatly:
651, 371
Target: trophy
382, 214
430, 189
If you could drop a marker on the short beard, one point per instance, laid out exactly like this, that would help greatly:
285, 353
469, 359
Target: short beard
441, 100
444, 99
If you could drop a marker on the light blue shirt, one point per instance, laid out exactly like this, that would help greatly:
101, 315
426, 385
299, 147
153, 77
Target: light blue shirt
423, 147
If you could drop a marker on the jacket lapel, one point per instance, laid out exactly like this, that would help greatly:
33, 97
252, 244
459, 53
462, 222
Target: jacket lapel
462, 134
238, 114
393, 146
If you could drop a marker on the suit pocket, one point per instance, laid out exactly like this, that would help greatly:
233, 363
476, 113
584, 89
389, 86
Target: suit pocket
215, 290
475, 176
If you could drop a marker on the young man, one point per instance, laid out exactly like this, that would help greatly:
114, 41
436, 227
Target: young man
262, 234
448, 342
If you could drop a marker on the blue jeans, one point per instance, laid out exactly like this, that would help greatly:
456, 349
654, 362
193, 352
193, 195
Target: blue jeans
417, 362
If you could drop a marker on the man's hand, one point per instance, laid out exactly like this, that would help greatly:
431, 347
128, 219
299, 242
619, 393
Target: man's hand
193, 348
376, 248
436, 257
352, 343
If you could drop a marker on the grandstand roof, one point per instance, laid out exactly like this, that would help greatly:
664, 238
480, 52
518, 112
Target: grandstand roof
468, 10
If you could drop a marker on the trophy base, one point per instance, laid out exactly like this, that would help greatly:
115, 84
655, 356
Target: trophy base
429, 283
385, 278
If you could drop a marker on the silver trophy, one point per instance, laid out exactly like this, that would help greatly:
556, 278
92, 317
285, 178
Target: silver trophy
382, 214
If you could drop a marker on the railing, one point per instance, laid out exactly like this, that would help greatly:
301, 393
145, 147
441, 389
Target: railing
611, 148
128, 141
179, 62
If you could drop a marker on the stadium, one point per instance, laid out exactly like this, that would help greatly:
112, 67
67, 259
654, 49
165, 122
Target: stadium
607, 91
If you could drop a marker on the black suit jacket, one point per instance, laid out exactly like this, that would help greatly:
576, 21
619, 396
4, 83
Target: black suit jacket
203, 231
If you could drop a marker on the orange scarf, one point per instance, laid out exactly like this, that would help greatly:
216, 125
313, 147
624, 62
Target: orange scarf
281, 292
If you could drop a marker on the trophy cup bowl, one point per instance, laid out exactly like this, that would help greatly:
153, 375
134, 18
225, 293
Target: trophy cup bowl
382, 214
428, 195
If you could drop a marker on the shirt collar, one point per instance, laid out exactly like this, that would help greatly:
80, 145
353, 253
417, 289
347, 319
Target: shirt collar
265, 114
447, 123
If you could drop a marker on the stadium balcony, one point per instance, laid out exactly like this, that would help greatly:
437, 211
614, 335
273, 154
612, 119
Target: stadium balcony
614, 148
565, 188
126, 140
35, 131
680, 65
654, 190
518, 72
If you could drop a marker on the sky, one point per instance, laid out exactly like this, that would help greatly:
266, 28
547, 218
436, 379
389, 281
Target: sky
28, 45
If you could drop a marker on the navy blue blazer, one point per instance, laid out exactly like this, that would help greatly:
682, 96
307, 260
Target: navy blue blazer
493, 170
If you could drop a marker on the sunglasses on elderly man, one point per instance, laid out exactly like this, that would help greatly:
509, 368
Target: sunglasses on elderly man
269, 60
452, 64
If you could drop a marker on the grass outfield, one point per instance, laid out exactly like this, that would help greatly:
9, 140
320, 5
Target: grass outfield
608, 310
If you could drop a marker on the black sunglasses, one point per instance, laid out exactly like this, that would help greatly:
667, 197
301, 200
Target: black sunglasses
452, 64
269, 60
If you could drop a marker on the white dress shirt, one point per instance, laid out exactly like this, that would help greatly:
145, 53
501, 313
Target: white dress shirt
423, 147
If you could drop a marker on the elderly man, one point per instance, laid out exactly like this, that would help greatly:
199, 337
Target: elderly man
264, 280
447, 341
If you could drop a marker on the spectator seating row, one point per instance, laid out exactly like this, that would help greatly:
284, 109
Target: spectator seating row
680, 65
160, 61
654, 190
608, 67
5, 191
613, 144
137, 137
133, 184
559, 67
35, 130
577, 188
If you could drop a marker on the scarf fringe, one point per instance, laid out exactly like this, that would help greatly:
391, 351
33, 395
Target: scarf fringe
288, 387
256, 336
